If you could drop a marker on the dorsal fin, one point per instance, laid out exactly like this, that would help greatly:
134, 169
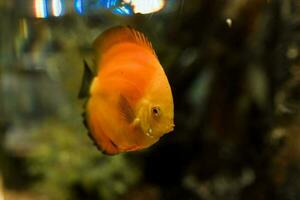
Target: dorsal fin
87, 78
120, 34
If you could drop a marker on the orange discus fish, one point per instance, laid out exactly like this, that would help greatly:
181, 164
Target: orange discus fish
129, 100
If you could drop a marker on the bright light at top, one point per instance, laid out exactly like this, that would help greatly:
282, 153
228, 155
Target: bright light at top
109, 3
57, 8
146, 6
40, 8
78, 6
123, 10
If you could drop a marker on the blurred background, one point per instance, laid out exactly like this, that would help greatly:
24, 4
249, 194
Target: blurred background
234, 68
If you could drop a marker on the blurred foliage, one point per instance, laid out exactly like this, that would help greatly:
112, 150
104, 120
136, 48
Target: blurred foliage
65, 164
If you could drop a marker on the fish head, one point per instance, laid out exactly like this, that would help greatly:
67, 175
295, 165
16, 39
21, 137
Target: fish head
161, 118
156, 114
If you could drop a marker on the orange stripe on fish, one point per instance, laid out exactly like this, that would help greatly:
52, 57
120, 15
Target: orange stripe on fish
129, 100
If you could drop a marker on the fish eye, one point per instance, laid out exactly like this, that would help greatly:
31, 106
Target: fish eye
156, 111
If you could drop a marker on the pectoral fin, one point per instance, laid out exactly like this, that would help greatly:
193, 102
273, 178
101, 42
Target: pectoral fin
126, 109
139, 121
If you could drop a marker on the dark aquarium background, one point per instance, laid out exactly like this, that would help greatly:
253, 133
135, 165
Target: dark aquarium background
234, 68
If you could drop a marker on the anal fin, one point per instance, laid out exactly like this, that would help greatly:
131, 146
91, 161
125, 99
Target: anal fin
100, 139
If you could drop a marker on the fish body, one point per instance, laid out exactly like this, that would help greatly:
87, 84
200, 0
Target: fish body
130, 103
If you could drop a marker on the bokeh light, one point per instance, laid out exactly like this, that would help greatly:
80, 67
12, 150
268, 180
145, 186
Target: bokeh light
57, 8
123, 10
40, 8
78, 6
146, 6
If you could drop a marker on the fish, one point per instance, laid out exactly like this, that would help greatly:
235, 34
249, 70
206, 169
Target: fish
129, 103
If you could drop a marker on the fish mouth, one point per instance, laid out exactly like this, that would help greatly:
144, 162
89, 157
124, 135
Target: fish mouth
149, 133
170, 128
